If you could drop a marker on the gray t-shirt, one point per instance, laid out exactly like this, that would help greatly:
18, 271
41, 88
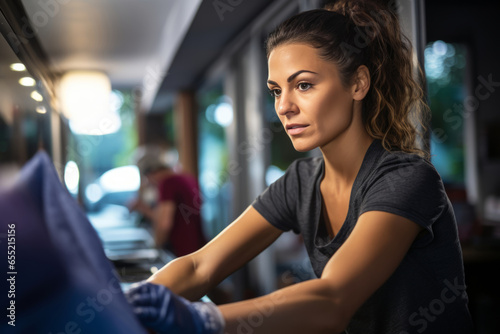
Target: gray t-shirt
426, 293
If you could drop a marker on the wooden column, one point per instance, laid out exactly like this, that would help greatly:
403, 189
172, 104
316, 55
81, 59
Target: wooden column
140, 117
56, 141
186, 131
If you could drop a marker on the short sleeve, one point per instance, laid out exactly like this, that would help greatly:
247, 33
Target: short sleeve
278, 202
412, 189
167, 190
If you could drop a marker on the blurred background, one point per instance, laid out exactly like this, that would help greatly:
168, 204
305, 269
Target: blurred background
95, 82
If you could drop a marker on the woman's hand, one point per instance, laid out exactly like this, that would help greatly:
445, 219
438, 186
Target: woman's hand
160, 309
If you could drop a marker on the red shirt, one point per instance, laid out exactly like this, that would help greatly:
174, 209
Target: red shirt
187, 232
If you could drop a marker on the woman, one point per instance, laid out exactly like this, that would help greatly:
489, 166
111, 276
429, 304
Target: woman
378, 226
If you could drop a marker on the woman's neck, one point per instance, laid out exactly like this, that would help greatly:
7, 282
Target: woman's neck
343, 158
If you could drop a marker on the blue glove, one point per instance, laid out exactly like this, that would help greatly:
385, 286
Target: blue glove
160, 309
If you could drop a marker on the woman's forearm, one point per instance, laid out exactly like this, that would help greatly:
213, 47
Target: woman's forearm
308, 307
183, 278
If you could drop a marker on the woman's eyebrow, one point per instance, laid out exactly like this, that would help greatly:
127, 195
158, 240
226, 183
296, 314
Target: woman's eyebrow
291, 77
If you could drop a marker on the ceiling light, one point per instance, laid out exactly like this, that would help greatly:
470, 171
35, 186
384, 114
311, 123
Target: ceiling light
18, 67
85, 98
41, 110
84, 94
27, 81
36, 96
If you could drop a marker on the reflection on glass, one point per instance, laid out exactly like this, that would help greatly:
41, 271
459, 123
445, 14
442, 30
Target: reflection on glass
36, 96
41, 110
18, 67
25, 114
27, 81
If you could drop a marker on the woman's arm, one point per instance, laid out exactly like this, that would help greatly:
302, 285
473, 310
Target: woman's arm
163, 222
162, 218
369, 256
193, 275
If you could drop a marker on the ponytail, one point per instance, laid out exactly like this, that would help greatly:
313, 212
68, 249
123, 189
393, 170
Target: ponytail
361, 32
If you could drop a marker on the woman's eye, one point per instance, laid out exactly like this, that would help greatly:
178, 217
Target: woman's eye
275, 92
304, 86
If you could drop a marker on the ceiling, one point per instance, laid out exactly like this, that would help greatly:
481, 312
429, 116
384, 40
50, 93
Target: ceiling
207, 39
137, 43
132, 41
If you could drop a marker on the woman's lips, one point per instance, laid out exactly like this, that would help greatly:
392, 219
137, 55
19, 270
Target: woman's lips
296, 129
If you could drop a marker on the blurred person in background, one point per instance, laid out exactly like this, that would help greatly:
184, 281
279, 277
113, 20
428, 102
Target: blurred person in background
175, 216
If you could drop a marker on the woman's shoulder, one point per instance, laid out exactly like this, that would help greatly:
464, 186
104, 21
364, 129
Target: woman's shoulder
405, 167
404, 160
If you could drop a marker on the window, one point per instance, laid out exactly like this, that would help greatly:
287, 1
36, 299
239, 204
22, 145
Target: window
445, 67
215, 113
100, 154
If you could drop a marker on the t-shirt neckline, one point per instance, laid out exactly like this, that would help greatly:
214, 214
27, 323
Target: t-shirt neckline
368, 160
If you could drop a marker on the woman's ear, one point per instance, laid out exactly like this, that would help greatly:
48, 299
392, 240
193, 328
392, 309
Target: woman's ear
361, 83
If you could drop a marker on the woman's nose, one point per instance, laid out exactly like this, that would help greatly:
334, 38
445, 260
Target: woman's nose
286, 105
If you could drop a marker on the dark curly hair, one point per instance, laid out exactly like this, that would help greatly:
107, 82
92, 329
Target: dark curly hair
352, 33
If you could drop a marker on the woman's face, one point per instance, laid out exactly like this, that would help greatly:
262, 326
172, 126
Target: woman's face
310, 100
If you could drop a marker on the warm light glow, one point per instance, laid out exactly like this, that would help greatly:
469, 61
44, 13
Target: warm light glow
85, 101
41, 110
97, 125
36, 96
18, 67
84, 94
27, 81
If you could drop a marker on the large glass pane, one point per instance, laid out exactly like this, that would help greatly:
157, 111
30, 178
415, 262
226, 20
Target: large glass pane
106, 160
